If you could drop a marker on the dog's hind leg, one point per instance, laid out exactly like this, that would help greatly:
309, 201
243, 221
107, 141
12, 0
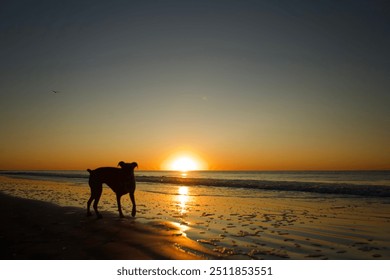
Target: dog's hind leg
96, 191
96, 194
92, 185
89, 205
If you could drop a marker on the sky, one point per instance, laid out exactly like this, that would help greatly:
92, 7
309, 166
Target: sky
235, 85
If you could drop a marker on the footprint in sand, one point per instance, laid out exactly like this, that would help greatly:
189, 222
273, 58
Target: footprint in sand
367, 248
204, 214
209, 242
314, 256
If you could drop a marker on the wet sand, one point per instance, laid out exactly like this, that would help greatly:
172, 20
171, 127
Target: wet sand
40, 230
36, 229
185, 224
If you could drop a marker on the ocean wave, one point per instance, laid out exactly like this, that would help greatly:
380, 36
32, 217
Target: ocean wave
328, 188
313, 187
60, 175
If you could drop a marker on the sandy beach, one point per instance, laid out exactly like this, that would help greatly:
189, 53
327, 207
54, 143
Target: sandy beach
47, 220
41, 227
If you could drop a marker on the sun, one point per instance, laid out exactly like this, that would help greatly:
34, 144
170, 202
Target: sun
184, 164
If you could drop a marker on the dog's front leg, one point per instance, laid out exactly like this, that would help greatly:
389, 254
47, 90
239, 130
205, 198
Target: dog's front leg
118, 200
133, 211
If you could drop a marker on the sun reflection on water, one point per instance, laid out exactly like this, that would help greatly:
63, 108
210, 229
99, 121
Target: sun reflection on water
183, 199
183, 190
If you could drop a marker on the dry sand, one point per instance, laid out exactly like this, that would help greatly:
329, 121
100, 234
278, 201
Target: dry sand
52, 224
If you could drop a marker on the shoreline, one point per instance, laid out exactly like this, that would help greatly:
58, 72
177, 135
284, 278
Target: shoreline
185, 222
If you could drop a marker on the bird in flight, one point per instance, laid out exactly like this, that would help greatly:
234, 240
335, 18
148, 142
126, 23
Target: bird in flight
55, 91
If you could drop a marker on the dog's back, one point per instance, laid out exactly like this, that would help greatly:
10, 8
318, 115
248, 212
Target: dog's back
111, 176
108, 175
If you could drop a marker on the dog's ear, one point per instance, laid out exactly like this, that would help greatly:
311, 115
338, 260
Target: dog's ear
121, 163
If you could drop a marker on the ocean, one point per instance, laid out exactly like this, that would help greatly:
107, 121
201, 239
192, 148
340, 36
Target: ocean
239, 214
361, 183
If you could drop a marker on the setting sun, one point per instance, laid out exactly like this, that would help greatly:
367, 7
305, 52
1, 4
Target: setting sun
184, 164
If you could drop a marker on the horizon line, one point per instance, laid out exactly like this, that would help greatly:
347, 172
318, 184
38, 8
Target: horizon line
218, 170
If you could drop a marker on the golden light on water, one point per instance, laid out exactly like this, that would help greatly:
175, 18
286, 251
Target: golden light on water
183, 199
183, 191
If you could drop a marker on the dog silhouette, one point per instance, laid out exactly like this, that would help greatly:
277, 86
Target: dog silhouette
120, 180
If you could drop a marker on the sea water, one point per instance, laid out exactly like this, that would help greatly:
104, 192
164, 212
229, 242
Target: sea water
366, 183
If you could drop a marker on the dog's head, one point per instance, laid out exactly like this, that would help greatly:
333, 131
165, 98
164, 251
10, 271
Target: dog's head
128, 166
